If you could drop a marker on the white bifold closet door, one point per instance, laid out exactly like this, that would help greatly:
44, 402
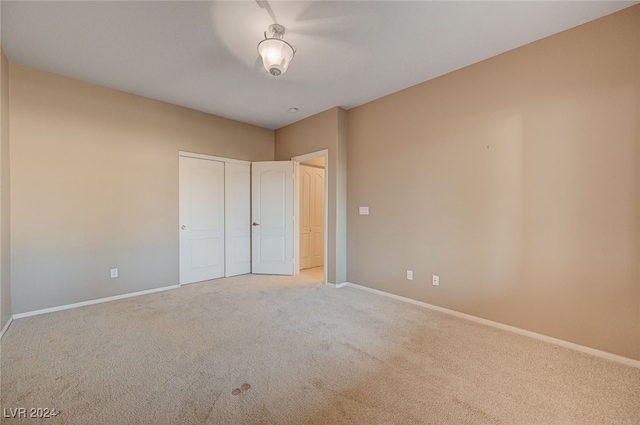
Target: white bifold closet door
202, 239
215, 219
237, 219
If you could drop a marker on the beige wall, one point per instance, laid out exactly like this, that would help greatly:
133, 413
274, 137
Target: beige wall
326, 130
517, 181
5, 198
94, 178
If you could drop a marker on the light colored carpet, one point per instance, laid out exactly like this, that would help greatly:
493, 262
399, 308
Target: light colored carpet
274, 350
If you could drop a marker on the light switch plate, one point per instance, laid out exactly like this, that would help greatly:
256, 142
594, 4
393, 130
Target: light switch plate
436, 280
364, 210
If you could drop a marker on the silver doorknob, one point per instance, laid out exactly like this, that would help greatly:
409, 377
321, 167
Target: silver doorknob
255, 224
183, 227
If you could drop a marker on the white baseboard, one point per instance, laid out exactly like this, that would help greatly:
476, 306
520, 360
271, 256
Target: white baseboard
91, 302
603, 354
336, 285
6, 326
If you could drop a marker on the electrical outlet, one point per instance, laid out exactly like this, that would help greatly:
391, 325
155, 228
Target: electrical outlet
114, 273
409, 274
436, 280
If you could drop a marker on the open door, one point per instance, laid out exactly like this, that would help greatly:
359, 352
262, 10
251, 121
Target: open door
272, 201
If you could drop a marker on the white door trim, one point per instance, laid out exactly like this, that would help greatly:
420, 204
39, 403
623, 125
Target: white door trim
296, 235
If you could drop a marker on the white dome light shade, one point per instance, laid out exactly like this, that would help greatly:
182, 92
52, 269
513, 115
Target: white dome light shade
276, 55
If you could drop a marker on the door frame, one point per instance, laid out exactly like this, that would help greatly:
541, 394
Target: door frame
296, 207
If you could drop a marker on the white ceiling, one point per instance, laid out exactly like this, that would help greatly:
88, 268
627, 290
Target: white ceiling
202, 54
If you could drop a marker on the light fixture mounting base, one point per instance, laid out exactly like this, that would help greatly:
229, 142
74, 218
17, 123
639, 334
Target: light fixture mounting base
275, 31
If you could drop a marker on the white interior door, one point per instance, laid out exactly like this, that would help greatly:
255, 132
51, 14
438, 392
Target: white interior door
311, 216
272, 200
238, 219
201, 219
305, 177
317, 217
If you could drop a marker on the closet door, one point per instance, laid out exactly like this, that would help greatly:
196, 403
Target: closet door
237, 218
202, 238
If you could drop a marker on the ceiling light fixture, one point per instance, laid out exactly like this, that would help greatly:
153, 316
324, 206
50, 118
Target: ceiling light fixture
276, 53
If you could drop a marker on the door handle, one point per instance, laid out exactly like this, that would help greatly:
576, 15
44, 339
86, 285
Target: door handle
183, 227
255, 224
